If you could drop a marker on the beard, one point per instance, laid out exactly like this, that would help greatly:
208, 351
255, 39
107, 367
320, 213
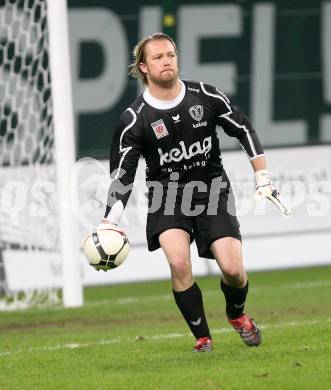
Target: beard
166, 80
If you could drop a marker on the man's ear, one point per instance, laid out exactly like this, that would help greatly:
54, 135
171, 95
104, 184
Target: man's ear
143, 67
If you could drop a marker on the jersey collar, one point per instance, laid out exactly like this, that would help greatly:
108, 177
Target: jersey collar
164, 104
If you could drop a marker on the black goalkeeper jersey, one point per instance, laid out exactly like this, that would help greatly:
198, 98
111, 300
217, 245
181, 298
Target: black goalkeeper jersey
177, 138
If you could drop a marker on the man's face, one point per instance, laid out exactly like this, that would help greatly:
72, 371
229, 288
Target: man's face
161, 65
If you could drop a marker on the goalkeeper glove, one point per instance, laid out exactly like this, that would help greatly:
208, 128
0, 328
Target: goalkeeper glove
266, 189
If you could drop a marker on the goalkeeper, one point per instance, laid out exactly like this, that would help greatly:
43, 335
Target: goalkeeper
172, 124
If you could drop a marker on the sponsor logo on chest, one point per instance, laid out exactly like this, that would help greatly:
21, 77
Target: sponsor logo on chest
159, 129
180, 153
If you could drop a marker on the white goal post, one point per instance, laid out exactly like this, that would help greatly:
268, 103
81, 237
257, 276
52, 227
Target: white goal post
57, 16
37, 147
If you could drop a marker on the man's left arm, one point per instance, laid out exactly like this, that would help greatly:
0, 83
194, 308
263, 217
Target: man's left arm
236, 124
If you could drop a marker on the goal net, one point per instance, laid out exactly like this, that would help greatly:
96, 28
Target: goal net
31, 251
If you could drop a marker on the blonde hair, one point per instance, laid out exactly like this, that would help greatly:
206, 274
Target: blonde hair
139, 55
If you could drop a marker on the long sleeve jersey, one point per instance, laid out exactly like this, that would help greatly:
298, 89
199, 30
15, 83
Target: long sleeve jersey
177, 138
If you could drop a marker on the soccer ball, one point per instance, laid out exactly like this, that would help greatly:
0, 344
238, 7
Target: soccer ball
106, 248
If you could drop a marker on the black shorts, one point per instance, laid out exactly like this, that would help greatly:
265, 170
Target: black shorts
204, 228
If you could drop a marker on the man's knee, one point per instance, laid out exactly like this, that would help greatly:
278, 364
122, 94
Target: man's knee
233, 271
234, 274
180, 267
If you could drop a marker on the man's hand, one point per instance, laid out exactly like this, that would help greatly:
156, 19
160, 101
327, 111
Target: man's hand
266, 189
108, 224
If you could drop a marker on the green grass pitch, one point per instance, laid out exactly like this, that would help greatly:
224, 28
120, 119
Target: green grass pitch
133, 337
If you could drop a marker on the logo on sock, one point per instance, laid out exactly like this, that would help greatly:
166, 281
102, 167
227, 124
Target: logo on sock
239, 306
197, 322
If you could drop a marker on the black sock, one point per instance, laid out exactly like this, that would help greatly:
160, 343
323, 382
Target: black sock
190, 304
235, 299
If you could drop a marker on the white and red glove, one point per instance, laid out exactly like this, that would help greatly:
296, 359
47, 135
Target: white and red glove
266, 189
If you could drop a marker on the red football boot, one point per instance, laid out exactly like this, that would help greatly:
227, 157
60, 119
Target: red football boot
248, 330
203, 344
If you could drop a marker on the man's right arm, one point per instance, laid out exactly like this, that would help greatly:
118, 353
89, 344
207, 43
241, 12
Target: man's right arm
123, 162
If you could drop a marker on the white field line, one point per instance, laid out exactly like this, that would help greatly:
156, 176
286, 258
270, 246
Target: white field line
168, 297
166, 336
